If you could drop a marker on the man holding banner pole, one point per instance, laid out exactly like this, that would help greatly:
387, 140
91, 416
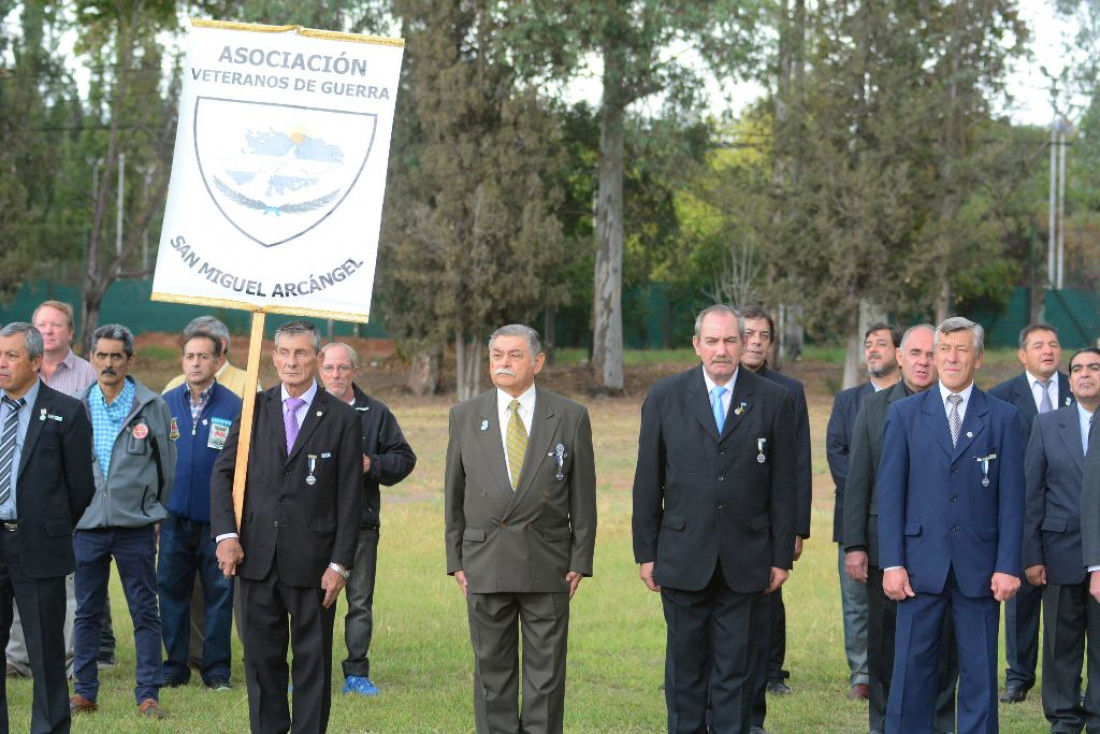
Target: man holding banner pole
297, 537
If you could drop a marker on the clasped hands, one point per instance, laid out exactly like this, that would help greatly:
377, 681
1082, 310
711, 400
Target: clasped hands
895, 584
778, 576
230, 554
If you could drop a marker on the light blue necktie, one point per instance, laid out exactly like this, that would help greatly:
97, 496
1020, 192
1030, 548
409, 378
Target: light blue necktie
717, 407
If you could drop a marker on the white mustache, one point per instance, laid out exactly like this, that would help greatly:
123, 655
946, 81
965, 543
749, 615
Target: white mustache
505, 371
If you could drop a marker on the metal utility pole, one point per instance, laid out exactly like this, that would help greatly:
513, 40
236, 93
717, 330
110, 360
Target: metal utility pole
118, 211
1056, 249
1061, 200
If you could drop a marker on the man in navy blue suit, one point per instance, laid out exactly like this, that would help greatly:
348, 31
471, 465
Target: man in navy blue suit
1040, 388
951, 512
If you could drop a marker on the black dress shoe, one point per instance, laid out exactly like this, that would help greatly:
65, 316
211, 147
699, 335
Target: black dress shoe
1013, 694
778, 688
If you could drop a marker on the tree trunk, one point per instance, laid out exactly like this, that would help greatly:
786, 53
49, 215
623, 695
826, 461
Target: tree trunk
424, 372
851, 351
607, 298
468, 359
549, 335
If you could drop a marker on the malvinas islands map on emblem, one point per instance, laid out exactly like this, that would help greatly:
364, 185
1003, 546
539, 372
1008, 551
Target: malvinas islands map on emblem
276, 171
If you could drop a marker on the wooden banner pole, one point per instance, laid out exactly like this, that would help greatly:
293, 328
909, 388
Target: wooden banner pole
248, 409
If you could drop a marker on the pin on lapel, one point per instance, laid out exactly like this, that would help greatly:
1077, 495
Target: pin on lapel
1069, 401
42, 415
484, 425
741, 408
970, 434
319, 414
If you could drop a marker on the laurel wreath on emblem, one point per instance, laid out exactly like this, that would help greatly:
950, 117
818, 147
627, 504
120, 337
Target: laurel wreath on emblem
299, 208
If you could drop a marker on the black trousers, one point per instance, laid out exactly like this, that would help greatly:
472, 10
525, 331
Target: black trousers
42, 603
710, 657
267, 604
1022, 614
1071, 616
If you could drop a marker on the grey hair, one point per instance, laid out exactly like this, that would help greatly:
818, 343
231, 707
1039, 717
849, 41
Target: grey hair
530, 334
722, 308
347, 348
32, 337
911, 329
958, 323
117, 332
207, 324
294, 328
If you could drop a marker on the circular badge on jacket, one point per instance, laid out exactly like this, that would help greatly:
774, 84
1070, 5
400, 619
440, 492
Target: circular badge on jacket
141, 431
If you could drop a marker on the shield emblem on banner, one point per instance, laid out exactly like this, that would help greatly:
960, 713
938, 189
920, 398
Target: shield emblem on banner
276, 171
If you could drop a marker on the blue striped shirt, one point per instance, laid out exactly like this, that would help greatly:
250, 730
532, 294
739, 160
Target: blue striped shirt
107, 421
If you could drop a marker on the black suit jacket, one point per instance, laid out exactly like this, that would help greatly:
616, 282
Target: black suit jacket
1090, 502
701, 497
301, 527
860, 497
391, 457
55, 483
838, 445
803, 474
1016, 391
1054, 466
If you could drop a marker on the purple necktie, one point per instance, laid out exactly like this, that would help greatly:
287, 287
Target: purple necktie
290, 421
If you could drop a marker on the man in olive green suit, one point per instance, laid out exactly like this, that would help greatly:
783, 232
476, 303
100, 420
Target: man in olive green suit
520, 503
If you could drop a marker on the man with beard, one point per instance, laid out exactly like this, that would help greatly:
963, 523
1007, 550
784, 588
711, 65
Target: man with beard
861, 542
879, 346
1039, 389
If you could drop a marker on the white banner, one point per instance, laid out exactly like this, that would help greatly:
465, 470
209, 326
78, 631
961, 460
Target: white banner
279, 171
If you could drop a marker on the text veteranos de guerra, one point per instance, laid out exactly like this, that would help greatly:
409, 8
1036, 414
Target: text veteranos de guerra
263, 59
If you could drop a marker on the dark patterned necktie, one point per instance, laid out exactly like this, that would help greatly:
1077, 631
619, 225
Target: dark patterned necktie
7, 445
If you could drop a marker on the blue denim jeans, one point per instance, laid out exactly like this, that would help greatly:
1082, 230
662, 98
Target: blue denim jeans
186, 549
134, 551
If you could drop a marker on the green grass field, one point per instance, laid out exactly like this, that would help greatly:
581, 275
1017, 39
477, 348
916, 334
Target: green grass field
421, 654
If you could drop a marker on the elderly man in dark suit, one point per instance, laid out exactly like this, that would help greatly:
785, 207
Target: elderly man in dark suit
714, 522
951, 494
861, 558
45, 485
298, 531
1039, 389
1053, 558
880, 345
520, 501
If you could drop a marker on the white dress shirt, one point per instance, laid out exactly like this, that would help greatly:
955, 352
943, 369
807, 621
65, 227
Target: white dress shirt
526, 414
1084, 418
1037, 390
964, 394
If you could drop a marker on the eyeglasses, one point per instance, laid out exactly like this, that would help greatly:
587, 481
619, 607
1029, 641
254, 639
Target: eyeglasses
341, 368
